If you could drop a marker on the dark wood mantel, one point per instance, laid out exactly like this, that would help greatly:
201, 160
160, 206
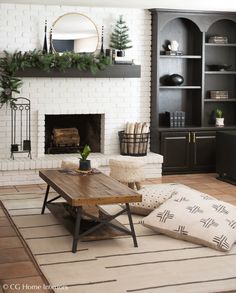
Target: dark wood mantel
111, 71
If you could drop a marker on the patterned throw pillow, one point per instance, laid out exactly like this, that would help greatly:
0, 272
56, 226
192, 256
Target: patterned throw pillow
153, 195
196, 217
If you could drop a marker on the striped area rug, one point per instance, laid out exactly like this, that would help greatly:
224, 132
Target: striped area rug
159, 265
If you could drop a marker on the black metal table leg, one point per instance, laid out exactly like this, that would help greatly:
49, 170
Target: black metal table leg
131, 225
45, 199
77, 229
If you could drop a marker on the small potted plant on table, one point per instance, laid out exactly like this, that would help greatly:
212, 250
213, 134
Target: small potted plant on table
85, 165
219, 118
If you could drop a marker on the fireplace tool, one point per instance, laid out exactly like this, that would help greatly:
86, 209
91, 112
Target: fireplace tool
20, 127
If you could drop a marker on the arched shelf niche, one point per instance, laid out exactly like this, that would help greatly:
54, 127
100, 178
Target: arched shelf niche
185, 32
223, 27
217, 53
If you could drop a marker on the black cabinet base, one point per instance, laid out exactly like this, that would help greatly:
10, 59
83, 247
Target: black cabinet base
186, 172
227, 179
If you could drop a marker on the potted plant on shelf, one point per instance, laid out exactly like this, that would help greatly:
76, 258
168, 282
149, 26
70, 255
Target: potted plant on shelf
120, 38
85, 165
219, 117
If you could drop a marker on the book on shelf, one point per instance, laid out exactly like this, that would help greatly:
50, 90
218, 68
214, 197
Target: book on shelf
124, 62
175, 119
219, 94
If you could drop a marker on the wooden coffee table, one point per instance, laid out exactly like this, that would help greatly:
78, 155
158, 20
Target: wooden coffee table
95, 189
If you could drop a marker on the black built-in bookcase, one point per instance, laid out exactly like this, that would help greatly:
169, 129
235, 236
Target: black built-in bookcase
191, 148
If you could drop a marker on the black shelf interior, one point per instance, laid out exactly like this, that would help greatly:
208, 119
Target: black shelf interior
186, 97
187, 34
188, 101
223, 27
227, 109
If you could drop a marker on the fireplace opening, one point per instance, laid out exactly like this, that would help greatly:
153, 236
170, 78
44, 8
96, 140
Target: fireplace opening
67, 133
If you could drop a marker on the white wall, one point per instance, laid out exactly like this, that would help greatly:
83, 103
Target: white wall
213, 5
120, 100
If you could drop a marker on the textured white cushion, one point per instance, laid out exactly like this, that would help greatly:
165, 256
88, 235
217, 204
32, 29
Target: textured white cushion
196, 217
127, 170
154, 195
70, 163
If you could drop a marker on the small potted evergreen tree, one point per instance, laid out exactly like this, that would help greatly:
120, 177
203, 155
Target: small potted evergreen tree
120, 38
85, 165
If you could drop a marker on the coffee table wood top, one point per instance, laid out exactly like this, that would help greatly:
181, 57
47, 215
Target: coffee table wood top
94, 189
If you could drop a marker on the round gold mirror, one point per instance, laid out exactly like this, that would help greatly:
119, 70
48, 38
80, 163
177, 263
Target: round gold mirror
74, 32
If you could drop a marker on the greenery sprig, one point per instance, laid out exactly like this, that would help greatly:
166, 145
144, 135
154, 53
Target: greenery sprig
84, 153
219, 113
11, 63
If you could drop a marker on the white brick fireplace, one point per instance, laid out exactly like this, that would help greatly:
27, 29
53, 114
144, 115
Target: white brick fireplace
118, 100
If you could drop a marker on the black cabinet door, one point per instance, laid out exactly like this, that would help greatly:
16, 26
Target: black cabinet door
203, 151
175, 148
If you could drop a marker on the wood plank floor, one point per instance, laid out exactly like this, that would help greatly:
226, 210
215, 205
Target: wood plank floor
206, 183
18, 270
16, 263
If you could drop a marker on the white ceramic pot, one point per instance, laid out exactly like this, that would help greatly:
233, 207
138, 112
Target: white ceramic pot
219, 121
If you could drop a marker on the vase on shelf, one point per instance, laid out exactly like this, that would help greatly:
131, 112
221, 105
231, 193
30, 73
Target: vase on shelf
50, 43
102, 49
174, 79
45, 46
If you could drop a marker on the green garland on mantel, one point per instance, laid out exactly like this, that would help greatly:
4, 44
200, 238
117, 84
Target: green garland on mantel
10, 63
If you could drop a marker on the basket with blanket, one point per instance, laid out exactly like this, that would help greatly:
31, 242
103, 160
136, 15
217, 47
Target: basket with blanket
134, 139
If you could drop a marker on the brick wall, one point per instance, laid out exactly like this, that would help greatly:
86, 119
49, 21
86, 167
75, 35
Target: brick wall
118, 99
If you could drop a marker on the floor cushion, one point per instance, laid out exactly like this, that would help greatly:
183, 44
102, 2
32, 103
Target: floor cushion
153, 195
196, 217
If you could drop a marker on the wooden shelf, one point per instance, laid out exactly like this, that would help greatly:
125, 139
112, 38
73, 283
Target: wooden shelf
220, 72
181, 87
111, 71
196, 128
219, 100
181, 56
220, 45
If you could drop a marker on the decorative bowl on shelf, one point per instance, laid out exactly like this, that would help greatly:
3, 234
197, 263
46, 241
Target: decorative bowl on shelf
174, 79
219, 67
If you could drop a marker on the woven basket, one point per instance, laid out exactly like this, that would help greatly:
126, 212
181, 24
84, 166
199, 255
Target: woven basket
133, 144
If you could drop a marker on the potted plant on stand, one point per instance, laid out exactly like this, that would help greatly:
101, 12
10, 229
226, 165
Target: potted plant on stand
219, 118
120, 38
85, 165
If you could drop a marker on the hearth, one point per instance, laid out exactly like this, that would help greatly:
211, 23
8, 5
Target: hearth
66, 133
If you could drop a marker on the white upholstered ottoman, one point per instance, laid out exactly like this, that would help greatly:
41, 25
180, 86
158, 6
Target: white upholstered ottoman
128, 171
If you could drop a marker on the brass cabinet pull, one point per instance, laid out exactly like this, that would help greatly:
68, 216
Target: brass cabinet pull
194, 137
189, 137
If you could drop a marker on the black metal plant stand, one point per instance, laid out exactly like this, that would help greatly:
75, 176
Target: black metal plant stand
20, 127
